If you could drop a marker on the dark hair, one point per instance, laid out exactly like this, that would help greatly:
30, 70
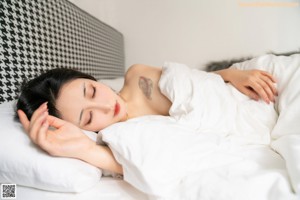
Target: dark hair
45, 88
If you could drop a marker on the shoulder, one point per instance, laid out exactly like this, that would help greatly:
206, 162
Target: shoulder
135, 71
141, 69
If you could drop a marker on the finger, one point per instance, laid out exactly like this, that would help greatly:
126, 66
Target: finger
267, 90
41, 137
270, 76
271, 84
271, 87
43, 107
260, 91
250, 93
55, 122
36, 126
24, 120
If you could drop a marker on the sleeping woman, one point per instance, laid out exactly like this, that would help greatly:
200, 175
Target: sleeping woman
55, 106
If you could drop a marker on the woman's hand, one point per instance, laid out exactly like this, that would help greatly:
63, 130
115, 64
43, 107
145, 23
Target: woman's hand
64, 139
254, 83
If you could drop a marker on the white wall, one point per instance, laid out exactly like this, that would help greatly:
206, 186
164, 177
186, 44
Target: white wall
198, 31
105, 10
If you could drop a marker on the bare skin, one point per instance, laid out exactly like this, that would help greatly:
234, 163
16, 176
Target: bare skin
90, 105
256, 84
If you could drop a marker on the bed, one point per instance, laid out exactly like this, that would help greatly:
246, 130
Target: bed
217, 143
37, 36
175, 157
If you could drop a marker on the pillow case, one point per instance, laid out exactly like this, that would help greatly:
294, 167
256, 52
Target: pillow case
24, 163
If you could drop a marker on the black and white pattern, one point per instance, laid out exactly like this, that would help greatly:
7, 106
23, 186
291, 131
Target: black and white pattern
38, 35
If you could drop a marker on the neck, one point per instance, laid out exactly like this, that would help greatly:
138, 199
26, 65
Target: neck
125, 102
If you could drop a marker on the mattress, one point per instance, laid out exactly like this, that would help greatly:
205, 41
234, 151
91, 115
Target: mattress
108, 188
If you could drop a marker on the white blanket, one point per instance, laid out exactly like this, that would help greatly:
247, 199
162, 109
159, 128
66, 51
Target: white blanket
286, 132
215, 144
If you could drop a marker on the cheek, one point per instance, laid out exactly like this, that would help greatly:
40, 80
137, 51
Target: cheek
69, 106
107, 93
69, 112
101, 121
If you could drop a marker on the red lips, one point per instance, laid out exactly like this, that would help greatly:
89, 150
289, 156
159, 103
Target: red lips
117, 109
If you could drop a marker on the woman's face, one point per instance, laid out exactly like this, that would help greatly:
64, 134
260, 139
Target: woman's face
90, 105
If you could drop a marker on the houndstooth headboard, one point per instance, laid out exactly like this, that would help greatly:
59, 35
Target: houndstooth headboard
38, 35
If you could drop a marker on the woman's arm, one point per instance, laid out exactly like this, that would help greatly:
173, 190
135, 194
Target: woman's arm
102, 157
66, 140
254, 83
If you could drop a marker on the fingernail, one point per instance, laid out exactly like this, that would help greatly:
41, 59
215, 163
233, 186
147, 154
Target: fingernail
255, 97
267, 101
44, 105
45, 123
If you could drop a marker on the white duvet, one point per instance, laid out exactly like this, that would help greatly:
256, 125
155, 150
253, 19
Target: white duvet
217, 143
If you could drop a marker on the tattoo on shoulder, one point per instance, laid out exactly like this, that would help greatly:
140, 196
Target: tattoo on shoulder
146, 85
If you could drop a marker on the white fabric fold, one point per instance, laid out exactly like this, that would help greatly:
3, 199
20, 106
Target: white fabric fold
216, 142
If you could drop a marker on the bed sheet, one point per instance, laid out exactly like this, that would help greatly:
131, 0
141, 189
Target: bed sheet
107, 189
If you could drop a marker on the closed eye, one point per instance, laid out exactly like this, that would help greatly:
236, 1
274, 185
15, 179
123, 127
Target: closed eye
94, 92
90, 118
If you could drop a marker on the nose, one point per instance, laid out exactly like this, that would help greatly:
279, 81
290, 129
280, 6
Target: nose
105, 107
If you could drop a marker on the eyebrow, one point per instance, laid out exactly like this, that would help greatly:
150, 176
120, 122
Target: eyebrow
84, 93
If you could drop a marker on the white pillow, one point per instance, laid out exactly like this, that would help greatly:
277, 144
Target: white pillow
116, 83
23, 163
